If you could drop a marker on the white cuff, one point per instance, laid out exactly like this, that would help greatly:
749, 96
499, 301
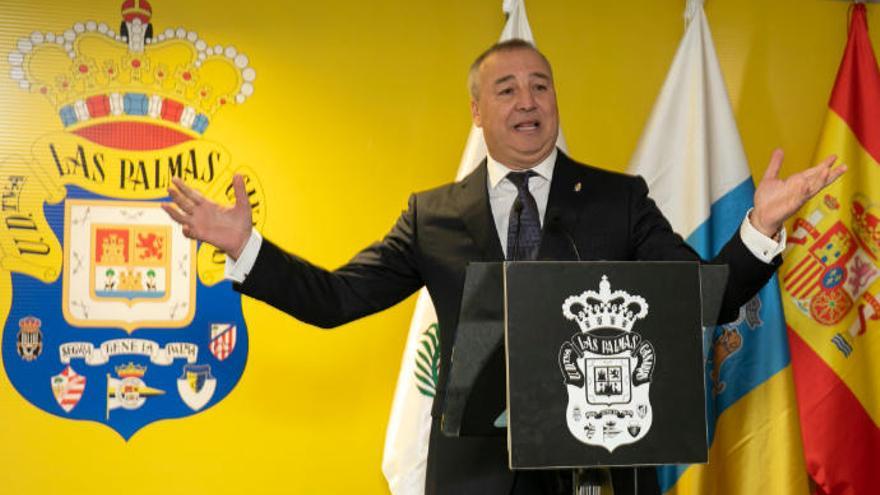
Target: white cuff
763, 247
239, 269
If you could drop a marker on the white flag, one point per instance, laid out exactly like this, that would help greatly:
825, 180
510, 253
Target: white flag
409, 427
690, 152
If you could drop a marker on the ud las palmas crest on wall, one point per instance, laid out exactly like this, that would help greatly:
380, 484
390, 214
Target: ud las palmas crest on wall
115, 316
607, 368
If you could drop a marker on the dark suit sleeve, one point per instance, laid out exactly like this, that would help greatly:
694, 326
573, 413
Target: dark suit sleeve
654, 239
378, 277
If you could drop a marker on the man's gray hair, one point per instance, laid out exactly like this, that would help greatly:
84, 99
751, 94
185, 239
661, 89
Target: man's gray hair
501, 46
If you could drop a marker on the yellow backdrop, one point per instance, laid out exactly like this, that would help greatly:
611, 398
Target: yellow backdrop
356, 105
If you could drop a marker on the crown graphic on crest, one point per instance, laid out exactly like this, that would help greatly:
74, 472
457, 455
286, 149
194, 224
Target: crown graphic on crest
29, 324
94, 75
866, 225
131, 370
605, 309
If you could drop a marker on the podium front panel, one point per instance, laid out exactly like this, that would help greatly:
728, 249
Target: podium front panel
604, 364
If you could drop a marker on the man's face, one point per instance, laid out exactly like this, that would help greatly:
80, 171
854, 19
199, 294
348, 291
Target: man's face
516, 107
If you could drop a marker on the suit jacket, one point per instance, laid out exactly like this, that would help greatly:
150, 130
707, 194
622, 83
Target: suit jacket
609, 216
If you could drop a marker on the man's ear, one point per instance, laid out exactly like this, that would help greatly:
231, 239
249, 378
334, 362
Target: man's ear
475, 113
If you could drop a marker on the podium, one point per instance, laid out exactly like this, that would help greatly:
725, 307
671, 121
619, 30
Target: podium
585, 364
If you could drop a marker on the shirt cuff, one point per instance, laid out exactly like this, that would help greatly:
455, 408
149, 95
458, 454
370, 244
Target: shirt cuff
239, 269
763, 247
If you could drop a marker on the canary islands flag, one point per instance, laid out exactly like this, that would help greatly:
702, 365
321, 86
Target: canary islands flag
692, 158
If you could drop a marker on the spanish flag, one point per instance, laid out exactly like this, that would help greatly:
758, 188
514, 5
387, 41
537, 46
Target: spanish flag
831, 286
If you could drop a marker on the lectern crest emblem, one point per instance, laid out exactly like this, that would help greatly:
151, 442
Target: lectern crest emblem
607, 368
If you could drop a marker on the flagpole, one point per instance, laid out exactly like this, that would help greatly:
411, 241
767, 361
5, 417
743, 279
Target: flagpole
107, 399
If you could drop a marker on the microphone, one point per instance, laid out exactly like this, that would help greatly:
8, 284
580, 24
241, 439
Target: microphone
555, 223
517, 209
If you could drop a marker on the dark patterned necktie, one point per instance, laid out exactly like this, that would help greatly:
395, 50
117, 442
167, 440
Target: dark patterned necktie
524, 228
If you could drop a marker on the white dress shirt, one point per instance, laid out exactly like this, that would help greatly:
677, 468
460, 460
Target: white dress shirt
502, 194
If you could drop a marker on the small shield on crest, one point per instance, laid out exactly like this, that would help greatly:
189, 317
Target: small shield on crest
196, 386
222, 340
68, 387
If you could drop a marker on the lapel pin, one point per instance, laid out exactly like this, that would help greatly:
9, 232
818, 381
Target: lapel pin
577, 187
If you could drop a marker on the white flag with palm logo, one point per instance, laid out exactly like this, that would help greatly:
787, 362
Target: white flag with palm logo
409, 427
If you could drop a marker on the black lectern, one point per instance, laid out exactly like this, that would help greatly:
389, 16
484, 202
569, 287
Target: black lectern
584, 364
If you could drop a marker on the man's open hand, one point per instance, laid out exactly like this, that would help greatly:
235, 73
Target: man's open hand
777, 199
227, 228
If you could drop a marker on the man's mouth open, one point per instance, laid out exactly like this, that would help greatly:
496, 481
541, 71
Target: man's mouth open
527, 126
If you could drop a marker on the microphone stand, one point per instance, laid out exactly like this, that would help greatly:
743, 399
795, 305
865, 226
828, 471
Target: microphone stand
555, 223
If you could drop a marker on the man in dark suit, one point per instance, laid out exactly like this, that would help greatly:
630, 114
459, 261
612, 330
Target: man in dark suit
526, 201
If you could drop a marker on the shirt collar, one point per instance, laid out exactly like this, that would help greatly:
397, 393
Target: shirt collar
498, 171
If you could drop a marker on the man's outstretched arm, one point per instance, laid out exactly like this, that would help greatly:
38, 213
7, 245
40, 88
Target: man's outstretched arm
378, 277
